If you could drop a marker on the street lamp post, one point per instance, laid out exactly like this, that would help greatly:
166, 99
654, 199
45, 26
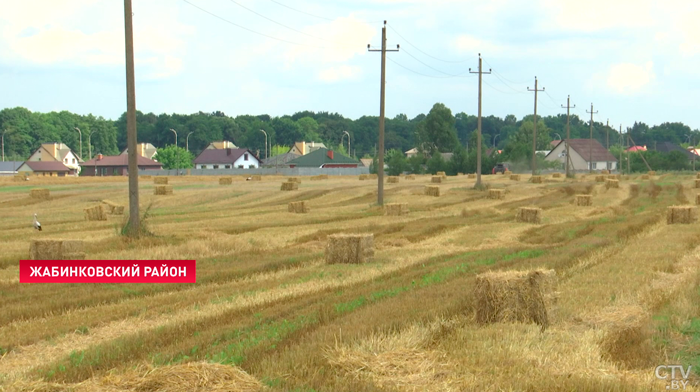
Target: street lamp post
494, 139
263, 131
90, 144
81, 142
3, 144
346, 133
175, 132
187, 141
558, 135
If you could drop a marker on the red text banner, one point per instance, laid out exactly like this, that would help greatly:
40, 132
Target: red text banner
107, 271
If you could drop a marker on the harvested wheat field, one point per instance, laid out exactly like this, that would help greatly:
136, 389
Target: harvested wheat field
457, 295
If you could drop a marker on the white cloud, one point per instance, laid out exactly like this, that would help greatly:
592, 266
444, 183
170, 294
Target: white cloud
627, 79
469, 44
335, 74
595, 15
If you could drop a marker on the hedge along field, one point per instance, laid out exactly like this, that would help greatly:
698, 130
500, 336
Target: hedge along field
267, 304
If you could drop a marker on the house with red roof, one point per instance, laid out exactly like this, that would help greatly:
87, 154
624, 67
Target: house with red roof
44, 168
116, 165
226, 158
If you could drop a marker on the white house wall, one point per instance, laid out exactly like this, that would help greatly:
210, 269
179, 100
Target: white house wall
578, 163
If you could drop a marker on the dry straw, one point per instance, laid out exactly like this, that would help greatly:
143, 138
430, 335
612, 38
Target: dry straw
515, 296
145, 177
294, 179
289, 186
614, 177
364, 177
583, 200
498, 194
225, 181
610, 183
319, 177
56, 250
113, 208
160, 180
436, 179
163, 190
96, 213
556, 175
680, 214
697, 175
393, 180
256, 177
599, 178
536, 179
471, 175
298, 207
441, 174
373, 176
645, 176
395, 209
460, 174
507, 173
410, 177
432, 190
529, 215
651, 173
697, 183
604, 172
697, 199
515, 177
40, 193
350, 248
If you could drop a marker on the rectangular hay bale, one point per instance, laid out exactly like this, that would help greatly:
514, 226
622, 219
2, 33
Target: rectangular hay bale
605, 172
536, 179
56, 250
225, 181
113, 208
645, 176
529, 215
160, 180
651, 173
507, 173
697, 199
163, 190
393, 179
289, 186
498, 194
610, 183
441, 174
96, 213
697, 183
432, 190
436, 179
680, 214
556, 175
516, 296
410, 177
583, 200
515, 177
599, 178
350, 248
395, 209
256, 177
364, 177
40, 193
373, 176
298, 207
294, 179
471, 175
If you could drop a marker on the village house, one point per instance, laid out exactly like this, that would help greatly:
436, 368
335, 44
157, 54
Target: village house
45, 168
586, 154
146, 150
229, 158
116, 165
57, 152
324, 158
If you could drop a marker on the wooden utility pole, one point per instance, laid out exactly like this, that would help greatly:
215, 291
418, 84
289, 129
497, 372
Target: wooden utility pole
534, 131
622, 148
134, 220
380, 168
607, 136
478, 130
568, 133
590, 142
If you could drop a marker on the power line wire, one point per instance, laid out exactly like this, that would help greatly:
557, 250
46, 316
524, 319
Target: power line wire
316, 16
419, 73
418, 49
274, 21
433, 68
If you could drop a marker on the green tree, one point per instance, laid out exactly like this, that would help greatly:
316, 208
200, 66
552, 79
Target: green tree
173, 157
415, 164
396, 162
437, 132
436, 163
309, 129
279, 150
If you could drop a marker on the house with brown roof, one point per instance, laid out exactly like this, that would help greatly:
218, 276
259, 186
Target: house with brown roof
222, 145
303, 148
44, 168
324, 158
146, 150
586, 154
57, 152
229, 158
116, 165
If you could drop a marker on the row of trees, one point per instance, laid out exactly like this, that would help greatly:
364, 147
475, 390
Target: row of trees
438, 131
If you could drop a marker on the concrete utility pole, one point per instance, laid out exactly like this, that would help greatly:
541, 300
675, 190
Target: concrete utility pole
81, 142
380, 168
134, 219
263, 131
534, 131
175, 132
3, 144
187, 141
90, 144
568, 132
346, 133
590, 142
478, 130
622, 148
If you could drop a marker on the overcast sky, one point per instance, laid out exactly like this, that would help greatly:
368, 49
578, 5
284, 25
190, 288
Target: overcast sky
635, 60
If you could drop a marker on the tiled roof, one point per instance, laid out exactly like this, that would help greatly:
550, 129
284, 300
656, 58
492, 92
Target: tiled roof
228, 155
47, 166
321, 157
120, 160
592, 149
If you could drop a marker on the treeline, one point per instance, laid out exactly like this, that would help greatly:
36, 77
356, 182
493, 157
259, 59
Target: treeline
438, 130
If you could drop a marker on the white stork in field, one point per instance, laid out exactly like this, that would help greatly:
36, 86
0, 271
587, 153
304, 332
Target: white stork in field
37, 225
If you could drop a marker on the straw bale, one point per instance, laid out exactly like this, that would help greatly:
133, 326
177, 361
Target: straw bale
256, 177
96, 213
697, 199
395, 209
604, 172
319, 177
113, 208
507, 173
22, 177
515, 177
697, 183
599, 178
373, 176
529, 214
651, 173
583, 200
160, 180
410, 177
350, 248
145, 177
645, 176
40, 193
364, 177
460, 174
516, 296
294, 179
498, 194
536, 179
697, 175
436, 179
556, 175
432, 190
298, 207
680, 214
225, 181
610, 183
163, 190
614, 177
441, 174
56, 250
289, 186
393, 179
471, 175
